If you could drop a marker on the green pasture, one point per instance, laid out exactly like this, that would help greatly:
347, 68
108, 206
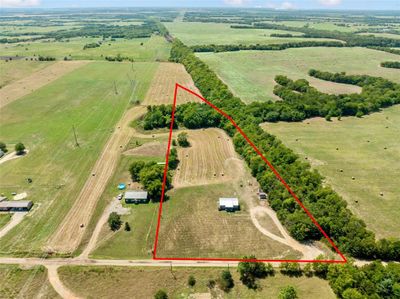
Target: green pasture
250, 74
101, 281
139, 49
43, 120
367, 149
194, 33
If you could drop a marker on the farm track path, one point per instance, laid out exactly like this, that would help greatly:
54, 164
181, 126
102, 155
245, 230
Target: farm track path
58, 286
69, 234
14, 221
25, 86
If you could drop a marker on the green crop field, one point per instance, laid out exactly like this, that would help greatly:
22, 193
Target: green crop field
250, 74
145, 282
17, 282
43, 121
139, 49
367, 149
193, 33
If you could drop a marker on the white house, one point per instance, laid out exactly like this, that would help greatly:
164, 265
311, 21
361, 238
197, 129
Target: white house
228, 204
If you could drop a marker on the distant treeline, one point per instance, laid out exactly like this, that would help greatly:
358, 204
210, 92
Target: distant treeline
391, 64
329, 209
351, 39
386, 49
277, 47
282, 35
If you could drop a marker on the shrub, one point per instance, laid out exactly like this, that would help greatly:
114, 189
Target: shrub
3, 147
127, 227
191, 281
182, 139
226, 282
161, 294
287, 293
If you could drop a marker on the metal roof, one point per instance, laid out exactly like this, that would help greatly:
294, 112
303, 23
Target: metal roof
135, 194
15, 204
229, 202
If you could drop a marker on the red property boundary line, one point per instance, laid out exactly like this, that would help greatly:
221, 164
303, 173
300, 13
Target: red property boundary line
177, 86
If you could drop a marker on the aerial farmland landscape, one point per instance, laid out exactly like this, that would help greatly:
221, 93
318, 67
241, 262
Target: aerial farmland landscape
178, 149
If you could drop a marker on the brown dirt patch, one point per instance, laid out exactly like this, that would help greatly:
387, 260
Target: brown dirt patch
162, 87
151, 149
22, 87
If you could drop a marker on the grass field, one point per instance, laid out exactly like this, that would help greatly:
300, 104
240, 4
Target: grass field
162, 87
250, 74
101, 282
18, 69
361, 154
154, 48
193, 33
4, 218
59, 169
17, 282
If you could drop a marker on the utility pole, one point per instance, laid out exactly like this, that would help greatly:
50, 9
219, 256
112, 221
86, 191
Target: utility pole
115, 88
76, 139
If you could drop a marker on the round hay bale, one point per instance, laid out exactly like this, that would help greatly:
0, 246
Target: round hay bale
381, 194
353, 178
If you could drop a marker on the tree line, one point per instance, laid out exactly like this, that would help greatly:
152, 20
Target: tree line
329, 209
269, 47
391, 64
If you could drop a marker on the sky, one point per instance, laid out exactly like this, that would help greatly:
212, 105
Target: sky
273, 4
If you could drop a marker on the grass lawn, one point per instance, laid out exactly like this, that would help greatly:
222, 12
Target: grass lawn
101, 282
84, 98
192, 226
197, 33
250, 74
153, 48
4, 218
361, 154
18, 282
17, 69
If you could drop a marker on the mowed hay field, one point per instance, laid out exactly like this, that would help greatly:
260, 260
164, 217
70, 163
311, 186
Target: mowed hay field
211, 158
357, 146
17, 69
250, 74
197, 33
84, 98
162, 87
140, 49
19, 282
133, 282
191, 225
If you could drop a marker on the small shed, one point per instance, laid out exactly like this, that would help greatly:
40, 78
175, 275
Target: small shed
132, 196
228, 204
15, 205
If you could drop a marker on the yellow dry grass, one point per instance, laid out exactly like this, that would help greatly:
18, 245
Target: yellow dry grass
162, 87
210, 159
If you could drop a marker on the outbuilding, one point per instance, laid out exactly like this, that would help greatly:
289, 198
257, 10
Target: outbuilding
228, 204
15, 205
132, 196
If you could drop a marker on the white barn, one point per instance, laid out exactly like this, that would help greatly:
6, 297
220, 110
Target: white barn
229, 204
136, 196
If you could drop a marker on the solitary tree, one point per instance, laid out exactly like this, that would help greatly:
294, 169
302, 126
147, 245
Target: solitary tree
114, 221
250, 271
226, 281
288, 293
182, 139
127, 227
3, 147
20, 148
161, 294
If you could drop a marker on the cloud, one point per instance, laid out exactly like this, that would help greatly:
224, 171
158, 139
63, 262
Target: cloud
19, 3
237, 2
284, 5
330, 2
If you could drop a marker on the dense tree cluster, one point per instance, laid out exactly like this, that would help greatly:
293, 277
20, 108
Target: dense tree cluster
46, 58
150, 175
329, 209
282, 35
270, 47
351, 39
386, 49
391, 64
92, 45
251, 271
